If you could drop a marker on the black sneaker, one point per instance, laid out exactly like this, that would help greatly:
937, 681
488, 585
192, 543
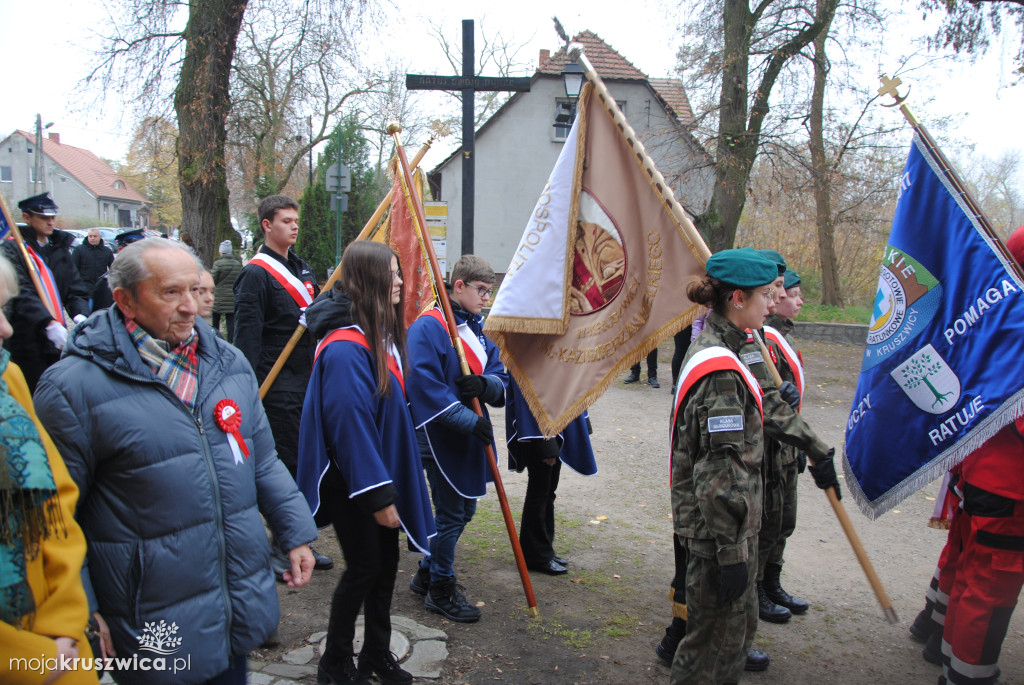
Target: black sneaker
444, 597
343, 672
385, 666
653, 382
420, 582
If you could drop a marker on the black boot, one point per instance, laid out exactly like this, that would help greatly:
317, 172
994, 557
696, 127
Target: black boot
342, 671
653, 381
633, 377
445, 598
420, 582
932, 651
385, 666
756, 661
666, 649
923, 626
767, 610
773, 589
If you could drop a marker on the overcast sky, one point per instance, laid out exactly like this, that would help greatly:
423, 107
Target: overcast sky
43, 68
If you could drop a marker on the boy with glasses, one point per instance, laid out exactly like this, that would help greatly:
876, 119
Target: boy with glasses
452, 438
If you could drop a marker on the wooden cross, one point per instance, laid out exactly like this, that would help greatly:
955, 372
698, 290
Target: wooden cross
469, 84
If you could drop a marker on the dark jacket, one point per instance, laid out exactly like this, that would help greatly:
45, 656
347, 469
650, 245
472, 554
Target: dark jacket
30, 348
265, 318
92, 261
225, 271
172, 520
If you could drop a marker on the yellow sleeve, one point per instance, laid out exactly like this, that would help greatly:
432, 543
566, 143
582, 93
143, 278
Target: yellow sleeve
54, 575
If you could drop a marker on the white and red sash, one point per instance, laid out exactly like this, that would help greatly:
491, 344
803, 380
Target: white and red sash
476, 355
701, 364
49, 285
792, 358
301, 292
355, 334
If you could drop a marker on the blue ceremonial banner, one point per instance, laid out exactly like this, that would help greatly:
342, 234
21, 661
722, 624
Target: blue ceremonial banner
941, 371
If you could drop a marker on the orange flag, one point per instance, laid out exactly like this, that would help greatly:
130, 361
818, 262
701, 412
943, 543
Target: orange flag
400, 235
599, 278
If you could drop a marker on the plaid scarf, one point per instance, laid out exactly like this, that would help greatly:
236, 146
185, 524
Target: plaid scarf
178, 367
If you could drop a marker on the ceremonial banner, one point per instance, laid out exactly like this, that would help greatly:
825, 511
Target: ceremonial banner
400, 235
941, 371
599, 277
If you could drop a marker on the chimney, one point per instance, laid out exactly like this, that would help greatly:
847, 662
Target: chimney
544, 54
55, 137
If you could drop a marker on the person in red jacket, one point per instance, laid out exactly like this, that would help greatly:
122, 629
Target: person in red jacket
981, 568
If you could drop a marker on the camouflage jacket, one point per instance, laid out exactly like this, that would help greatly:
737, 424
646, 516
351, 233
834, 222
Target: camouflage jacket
777, 454
781, 422
716, 473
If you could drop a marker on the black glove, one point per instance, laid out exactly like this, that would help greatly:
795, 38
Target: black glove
471, 386
790, 394
483, 429
547, 449
732, 582
801, 462
824, 473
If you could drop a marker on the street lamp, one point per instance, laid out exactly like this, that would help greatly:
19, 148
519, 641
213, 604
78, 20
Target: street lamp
572, 78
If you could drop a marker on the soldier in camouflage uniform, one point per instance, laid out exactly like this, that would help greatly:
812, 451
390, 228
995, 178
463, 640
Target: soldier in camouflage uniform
779, 520
717, 465
717, 452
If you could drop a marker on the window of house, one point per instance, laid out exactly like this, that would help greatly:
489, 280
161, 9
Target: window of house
564, 117
63, 179
119, 185
6, 175
28, 150
31, 174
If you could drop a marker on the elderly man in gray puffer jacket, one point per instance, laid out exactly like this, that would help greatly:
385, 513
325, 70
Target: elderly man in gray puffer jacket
160, 424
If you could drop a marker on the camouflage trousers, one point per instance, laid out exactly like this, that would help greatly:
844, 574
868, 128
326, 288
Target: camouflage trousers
717, 635
778, 520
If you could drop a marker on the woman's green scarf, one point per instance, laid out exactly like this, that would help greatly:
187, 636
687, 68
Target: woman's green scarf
29, 509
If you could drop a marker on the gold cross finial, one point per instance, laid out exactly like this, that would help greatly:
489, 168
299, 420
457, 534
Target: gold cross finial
889, 86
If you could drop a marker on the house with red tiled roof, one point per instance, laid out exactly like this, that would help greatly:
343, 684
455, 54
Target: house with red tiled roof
83, 185
517, 146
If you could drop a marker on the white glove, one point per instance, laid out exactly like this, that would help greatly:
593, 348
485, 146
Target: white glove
57, 334
79, 318
302, 319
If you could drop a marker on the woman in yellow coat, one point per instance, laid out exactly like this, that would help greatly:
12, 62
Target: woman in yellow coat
43, 608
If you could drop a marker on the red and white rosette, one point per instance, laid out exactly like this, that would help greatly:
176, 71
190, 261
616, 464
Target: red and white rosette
229, 419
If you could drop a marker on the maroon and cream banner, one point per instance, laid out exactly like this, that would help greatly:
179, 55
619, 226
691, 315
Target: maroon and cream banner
599, 278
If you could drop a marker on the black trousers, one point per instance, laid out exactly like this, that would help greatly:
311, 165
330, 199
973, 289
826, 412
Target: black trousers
652, 365
682, 341
537, 529
230, 324
368, 583
284, 412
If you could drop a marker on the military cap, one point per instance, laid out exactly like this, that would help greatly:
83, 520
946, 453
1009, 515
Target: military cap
744, 268
792, 279
41, 204
128, 237
774, 256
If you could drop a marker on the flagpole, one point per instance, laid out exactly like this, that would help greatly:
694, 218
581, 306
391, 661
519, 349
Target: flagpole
889, 87
368, 231
32, 272
629, 135
840, 512
446, 306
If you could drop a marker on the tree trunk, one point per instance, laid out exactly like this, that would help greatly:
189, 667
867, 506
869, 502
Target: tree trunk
202, 103
821, 171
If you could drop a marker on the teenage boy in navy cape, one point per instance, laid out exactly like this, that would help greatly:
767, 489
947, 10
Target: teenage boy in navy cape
542, 459
452, 437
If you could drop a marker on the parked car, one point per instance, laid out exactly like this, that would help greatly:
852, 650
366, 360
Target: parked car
107, 233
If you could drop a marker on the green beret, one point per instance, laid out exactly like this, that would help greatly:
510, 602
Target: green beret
743, 268
792, 279
774, 256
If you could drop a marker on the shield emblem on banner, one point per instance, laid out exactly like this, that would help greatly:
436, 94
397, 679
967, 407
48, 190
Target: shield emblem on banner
928, 380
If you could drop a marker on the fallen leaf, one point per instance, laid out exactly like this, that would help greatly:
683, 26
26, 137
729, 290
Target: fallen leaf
575, 580
930, 499
616, 576
481, 604
601, 518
